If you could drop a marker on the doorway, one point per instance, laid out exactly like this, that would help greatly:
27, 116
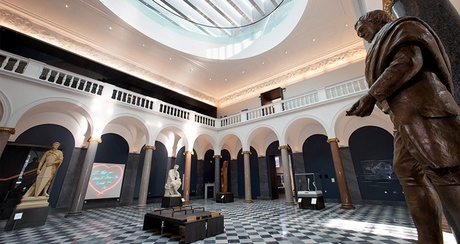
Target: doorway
276, 177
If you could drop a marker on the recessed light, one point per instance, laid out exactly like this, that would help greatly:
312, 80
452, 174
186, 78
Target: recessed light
143, 45
263, 62
314, 39
242, 71
225, 79
66, 6
110, 27
285, 52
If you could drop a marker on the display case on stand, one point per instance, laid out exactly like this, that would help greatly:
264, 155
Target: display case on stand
309, 191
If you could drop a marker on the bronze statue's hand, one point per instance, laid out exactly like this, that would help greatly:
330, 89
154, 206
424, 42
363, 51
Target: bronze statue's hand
38, 171
363, 107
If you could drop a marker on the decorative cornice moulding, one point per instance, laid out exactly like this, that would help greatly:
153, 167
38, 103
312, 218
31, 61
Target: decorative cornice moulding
309, 70
94, 52
25, 26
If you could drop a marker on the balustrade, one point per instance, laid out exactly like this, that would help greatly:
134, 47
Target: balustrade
62, 78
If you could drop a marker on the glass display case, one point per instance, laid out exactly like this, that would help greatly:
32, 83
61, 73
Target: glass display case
309, 191
308, 185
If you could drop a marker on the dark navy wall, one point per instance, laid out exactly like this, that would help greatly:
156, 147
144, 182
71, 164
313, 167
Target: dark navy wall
272, 151
372, 143
158, 171
45, 135
318, 159
113, 149
208, 167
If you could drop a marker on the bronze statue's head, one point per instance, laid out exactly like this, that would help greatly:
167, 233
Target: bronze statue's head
369, 24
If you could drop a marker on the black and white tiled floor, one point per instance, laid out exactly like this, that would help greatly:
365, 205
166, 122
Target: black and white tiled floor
263, 221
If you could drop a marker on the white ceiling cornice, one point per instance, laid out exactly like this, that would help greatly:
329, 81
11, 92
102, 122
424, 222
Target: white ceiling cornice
17, 22
350, 55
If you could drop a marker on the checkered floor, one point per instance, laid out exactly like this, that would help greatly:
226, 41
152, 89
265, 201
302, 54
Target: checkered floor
263, 221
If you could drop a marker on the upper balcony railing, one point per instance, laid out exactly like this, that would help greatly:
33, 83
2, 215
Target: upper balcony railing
73, 82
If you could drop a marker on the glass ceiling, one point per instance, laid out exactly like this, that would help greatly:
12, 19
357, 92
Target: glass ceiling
214, 18
215, 29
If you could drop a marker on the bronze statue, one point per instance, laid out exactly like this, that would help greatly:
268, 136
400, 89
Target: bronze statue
409, 78
46, 170
224, 177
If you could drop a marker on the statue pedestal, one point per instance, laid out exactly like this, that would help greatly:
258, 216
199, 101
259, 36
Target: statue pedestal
171, 201
224, 197
31, 212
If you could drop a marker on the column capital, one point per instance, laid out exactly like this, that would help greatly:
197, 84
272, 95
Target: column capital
91, 139
246, 152
188, 152
150, 147
8, 129
217, 156
333, 140
283, 147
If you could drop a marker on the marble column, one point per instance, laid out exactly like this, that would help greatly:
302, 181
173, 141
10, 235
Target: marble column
5, 133
443, 18
286, 175
145, 178
187, 173
340, 174
216, 174
82, 185
247, 177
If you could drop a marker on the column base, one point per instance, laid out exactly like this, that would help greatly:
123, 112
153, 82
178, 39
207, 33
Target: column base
290, 203
347, 206
72, 214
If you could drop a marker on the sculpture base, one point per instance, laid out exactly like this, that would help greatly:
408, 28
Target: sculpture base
224, 197
169, 202
32, 212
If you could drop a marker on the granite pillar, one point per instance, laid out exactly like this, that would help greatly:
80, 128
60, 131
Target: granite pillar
145, 178
350, 175
234, 177
82, 185
264, 178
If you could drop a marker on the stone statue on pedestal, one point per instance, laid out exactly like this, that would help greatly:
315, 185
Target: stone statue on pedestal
173, 182
46, 170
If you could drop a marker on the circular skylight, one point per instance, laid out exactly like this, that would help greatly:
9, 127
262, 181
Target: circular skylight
214, 29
